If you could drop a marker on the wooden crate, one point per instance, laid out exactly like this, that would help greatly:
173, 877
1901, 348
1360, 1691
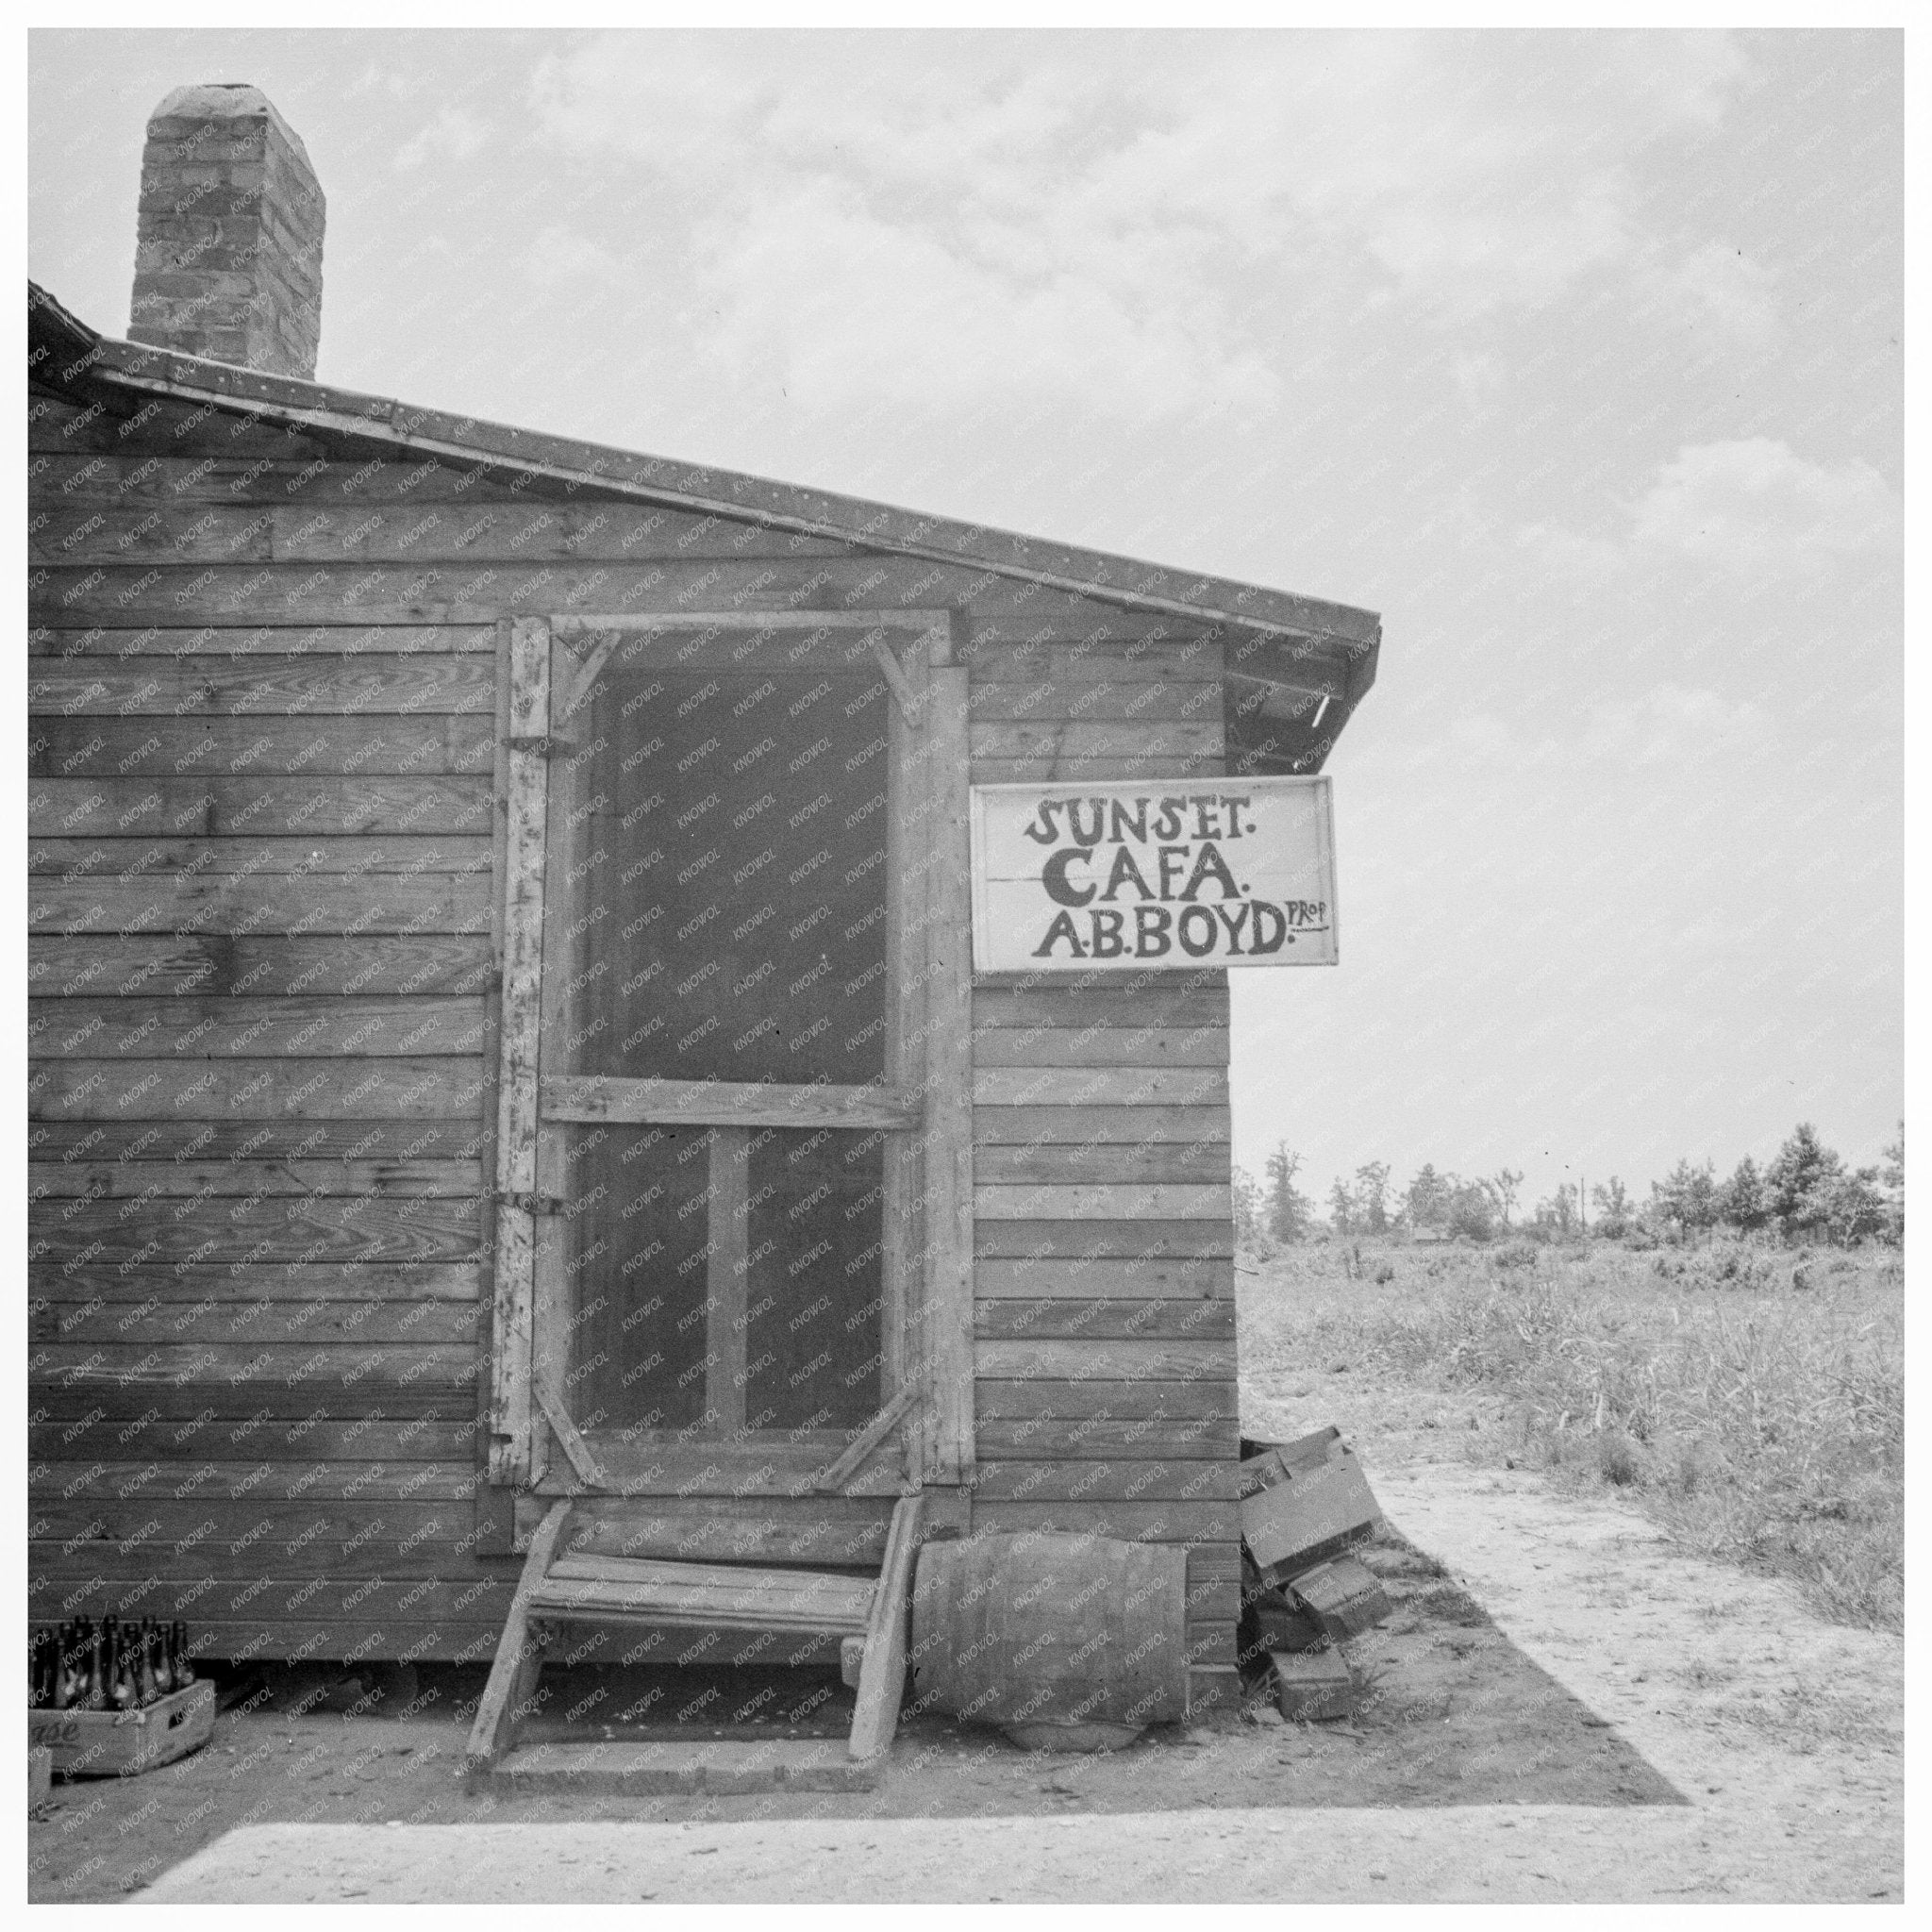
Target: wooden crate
1300, 1508
122, 1743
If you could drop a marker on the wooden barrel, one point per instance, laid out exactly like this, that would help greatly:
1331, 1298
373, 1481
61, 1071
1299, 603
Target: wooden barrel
1068, 1642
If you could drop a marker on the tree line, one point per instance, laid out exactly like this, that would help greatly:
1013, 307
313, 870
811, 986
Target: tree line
1807, 1194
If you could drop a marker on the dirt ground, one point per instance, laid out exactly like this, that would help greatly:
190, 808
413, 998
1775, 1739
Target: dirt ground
1451, 1713
1571, 1667
1781, 1732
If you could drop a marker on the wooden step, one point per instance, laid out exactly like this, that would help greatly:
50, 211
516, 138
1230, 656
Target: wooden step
868, 1616
630, 1590
716, 1766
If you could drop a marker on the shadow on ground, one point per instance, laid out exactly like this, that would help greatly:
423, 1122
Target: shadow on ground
1451, 1713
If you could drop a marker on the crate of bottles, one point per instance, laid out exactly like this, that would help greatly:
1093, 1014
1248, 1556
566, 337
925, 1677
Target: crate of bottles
112, 1701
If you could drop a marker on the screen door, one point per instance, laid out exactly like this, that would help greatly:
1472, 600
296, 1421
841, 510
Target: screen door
723, 1187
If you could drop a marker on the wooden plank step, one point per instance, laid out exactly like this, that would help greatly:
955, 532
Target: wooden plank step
661, 1769
632, 1589
584, 1566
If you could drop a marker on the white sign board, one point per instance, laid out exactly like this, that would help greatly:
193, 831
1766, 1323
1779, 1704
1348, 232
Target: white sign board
1128, 877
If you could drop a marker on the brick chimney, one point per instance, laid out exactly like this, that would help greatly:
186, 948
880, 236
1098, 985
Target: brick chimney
228, 264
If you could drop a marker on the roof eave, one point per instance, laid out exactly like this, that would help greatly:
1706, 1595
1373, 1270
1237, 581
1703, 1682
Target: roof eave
1298, 643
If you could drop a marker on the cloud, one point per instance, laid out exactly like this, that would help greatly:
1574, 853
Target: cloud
1718, 289
1669, 725
1124, 218
454, 134
1751, 509
1754, 505
560, 255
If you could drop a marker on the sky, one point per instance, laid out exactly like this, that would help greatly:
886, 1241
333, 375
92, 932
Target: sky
1575, 356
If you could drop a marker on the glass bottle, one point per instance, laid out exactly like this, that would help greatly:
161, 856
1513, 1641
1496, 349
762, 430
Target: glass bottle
95, 1695
62, 1689
148, 1689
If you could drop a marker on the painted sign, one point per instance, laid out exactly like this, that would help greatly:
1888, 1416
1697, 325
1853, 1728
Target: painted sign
1128, 877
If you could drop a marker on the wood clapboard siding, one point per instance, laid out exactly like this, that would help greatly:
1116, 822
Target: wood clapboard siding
412, 853
427, 1090
268, 965
422, 1443
111, 639
219, 1027
389, 1140
66, 1179
263, 686
261, 960
1123, 1317
207, 1320
451, 530
386, 745
1096, 1161
262, 902
407, 1285
1104, 1283
229, 686
466, 592
286, 1480
292, 804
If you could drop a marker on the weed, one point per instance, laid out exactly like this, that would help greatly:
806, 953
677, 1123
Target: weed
1755, 1407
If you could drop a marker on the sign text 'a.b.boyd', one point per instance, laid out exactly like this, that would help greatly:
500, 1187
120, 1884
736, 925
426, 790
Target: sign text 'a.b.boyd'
1128, 877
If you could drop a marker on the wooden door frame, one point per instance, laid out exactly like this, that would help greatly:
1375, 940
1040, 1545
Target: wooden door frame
927, 1322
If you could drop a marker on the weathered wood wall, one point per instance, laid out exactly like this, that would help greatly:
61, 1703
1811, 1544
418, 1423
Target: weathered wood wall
1104, 1283
263, 741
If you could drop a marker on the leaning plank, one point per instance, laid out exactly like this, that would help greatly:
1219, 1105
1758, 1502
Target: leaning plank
722, 1103
867, 1438
513, 1676
882, 1676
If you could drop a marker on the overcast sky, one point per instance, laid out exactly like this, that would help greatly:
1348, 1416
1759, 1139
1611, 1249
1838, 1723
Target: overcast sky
1576, 356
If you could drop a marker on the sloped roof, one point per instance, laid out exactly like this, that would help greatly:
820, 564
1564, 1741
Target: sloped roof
1278, 641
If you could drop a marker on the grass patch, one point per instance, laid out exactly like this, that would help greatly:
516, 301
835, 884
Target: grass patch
1751, 1398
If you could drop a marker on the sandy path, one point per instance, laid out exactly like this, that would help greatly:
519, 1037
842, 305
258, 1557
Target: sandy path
1782, 1733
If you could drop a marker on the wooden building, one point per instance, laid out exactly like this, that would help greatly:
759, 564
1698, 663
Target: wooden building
503, 1018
